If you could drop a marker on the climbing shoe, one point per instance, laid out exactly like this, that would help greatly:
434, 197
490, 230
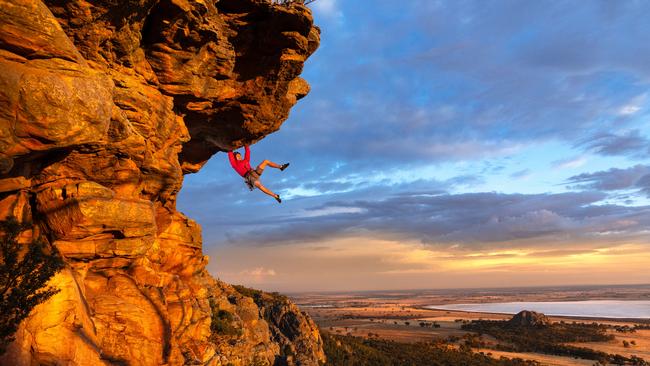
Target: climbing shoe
284, 166
277, 198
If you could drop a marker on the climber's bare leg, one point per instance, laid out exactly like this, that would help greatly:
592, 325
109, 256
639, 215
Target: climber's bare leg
260, 168
264, 189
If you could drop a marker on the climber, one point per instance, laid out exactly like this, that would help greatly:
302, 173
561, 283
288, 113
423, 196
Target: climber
252, 176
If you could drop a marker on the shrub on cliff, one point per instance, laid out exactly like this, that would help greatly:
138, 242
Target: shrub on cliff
24, 272
261, 298
287, 2
223, 322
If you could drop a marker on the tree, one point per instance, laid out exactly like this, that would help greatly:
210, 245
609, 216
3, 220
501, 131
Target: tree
24, 272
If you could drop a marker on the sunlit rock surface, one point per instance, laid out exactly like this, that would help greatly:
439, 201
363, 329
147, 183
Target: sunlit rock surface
104, 105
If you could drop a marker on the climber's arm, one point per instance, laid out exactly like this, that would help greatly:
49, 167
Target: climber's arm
247, 156
231, 157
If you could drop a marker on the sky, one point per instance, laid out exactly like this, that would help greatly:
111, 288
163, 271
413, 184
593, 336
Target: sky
449, 144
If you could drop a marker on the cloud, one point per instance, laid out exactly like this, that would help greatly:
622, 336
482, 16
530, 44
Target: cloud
630, 143
521, 174
467, 180
636, 177
331, 210
644, 184
398, 264
327, 7
570, 163
258, 272
255, 275
472, 220
634, 106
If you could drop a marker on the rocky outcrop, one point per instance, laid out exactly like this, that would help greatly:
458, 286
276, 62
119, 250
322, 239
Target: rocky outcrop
299, 340
527, 318
104, 105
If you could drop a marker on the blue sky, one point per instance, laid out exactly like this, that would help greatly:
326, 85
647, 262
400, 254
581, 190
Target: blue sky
439, 132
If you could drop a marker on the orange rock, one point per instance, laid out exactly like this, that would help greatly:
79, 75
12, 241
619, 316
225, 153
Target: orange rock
103, 108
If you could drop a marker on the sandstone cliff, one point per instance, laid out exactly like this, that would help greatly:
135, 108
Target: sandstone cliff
104, 105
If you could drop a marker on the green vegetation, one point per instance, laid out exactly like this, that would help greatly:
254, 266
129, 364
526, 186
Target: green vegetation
550, 339
429, 324
355, 351
628, 329
524, 335
288, 2
223, 322
262, 298
25, 270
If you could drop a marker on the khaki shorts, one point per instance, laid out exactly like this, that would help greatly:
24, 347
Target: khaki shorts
251, 177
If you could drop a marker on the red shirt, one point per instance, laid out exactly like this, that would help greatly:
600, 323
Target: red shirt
241, 166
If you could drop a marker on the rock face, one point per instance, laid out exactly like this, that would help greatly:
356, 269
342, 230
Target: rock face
104, 105
527, 318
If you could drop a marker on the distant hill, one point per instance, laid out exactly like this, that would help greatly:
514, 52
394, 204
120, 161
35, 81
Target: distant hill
529, 318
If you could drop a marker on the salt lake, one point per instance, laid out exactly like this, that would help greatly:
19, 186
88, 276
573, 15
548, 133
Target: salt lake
591, 308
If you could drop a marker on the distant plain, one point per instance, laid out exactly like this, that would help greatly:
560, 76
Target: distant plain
396, 315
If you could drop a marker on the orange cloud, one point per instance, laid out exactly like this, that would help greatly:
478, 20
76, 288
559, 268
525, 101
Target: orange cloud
360, 263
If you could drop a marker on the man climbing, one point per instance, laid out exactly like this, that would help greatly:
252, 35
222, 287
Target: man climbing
252, 176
